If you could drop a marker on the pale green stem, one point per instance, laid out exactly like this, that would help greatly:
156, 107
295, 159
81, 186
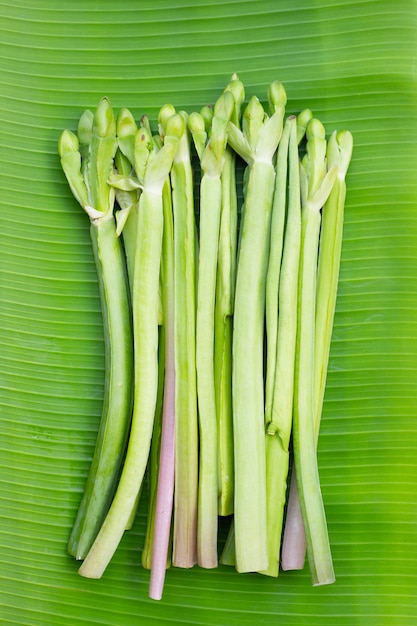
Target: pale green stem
116, 414
153, 461
186, 453
308, 482
212, 159
210, 209
274, 267
87, 161
248, 395
327, 281
161, 557
129, 240
127, 226
277, 458
339, 152
226, 277
145, 324
330, 249
127, 216
279, 424
257, 144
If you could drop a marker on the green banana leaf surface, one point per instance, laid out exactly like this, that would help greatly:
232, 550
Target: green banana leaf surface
354, 63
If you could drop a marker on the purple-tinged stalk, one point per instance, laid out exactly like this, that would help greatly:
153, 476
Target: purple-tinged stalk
152, 471
186, 420
166, 474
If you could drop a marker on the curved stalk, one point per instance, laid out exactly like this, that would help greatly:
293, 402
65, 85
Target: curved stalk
145, 325
117, 404
87, 161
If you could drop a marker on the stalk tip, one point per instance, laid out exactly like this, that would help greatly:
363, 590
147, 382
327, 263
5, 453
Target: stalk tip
85, 127
237, 89
104, 124
175, 126
196, 123
126, 124
67, 143
315, 129
207, 114
303, 120
164, 114
253, 119
225, 105
340, 144
277, 96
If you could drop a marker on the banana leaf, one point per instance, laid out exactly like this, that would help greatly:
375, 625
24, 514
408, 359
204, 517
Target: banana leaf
353, 62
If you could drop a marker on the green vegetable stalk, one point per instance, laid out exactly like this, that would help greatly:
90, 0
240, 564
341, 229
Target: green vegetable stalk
127, 184
284, 303
339, 152
87, 161
275, 255
155, 450
217, 337
316, 184
224, 306
145, 323
161, 557
186, 434
278, 218
127, 198
256, 143
212, 156
152, 470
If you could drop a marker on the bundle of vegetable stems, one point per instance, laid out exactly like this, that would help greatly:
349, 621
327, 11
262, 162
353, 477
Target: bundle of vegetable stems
217, 325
